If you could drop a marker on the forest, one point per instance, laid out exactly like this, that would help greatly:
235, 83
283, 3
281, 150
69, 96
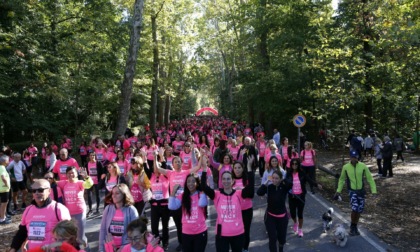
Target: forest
85, 67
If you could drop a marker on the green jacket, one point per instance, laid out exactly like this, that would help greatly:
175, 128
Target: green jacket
355, 177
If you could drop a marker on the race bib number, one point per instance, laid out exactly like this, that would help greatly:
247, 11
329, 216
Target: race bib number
100, 156
158, 195
37, 230
109, 186
116, 228
63, 169
121, 168
93, 171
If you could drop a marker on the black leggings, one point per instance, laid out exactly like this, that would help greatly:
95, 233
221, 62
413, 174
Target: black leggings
89, 193
194, 243
261, 166
277, 230
247, 215
310, 171
296, 205
160, 212
177, 217
234, 242
139, 206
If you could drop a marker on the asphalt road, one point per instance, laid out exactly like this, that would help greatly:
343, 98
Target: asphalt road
313, 240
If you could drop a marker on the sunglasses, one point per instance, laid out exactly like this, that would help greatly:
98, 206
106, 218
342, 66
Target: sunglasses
38, 190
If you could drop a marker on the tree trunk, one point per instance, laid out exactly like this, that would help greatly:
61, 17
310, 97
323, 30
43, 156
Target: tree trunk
155, 71
367, 36
167, 109
130, 69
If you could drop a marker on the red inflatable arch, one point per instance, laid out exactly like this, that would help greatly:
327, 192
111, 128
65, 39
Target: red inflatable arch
211, 110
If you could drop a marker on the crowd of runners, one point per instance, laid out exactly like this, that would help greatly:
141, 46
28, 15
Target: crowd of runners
177, 172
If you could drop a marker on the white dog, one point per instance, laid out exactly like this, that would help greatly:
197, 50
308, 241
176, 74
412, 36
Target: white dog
327, 219
340, 235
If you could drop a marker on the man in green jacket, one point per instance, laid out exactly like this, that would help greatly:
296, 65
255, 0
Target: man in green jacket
353, 173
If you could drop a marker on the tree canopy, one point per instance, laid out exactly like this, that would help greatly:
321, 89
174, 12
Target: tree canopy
62, 64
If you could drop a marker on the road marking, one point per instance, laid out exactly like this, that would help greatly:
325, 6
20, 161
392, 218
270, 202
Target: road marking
364, 236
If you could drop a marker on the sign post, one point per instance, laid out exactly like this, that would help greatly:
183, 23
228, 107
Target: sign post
299, 121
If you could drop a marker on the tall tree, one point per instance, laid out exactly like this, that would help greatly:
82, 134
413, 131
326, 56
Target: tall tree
130, 69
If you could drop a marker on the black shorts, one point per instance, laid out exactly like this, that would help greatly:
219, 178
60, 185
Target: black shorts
16, 186
4, 197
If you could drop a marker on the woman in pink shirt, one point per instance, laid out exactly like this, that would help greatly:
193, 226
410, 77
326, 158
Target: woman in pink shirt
138, 182
261, 146
186, 156
308, 162
118, 213
227, 165
228, 204
112, 178
73, 192
234, 149
151, 148
193, 211
122, 162
177, 145
94, 169
297, 194
241, 180
283, 151
159, 204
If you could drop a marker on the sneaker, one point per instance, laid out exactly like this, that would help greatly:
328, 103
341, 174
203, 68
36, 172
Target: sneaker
11, 213
5, 221
179, 248
354, 231
295, 227
300, 233
165, 247
89, 213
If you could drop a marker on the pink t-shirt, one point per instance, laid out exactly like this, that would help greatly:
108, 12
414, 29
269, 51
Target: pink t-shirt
308, 157
177, 178
268, 156
40, 222
196, 222
73, 194
177, 145
100, 154
160, 187
246, 202
136, 190
234, 152
93, 172
111, 182
229, 213
123, 165
33, 151
151, 151
169, 160
185, 158
111, 156
82, 150
297, 188
116, 228
294, 155
60, 167
43, 153
47, 161
261, 148
284, 153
